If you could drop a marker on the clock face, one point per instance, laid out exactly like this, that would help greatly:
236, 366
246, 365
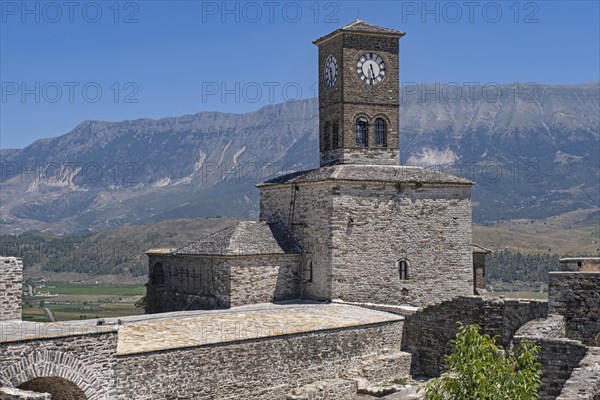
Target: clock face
370, 68
331, 70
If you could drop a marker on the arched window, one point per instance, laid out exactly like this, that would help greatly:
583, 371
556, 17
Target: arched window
158, 274
335, 138
380, 133
403, 269
326, 136
362, 132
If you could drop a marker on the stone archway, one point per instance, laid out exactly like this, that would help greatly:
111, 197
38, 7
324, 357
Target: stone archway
58, 388
44, 370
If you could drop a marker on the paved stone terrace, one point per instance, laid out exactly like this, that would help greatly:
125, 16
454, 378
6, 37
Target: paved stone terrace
242, 323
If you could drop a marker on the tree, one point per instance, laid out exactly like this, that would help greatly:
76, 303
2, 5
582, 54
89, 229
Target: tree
478, 369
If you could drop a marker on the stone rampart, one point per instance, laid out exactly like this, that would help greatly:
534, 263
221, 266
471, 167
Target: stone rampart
257, 369
576, 296
429, 331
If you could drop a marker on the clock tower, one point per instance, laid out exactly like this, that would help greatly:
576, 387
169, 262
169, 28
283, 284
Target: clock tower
359, 95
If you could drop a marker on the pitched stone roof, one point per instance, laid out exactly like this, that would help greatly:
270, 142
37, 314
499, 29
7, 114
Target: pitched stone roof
244, 238
369, 173
360, 26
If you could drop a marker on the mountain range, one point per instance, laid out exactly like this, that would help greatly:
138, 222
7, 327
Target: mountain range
533, 151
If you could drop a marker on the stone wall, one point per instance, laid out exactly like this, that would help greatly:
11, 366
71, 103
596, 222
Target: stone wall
186, 283
584, 382
263, 279
85, 361
309, 221
11, 288
558, 358
192, 282
256, 369
576, 296
18, 394
374, 225
354, 233
428, 331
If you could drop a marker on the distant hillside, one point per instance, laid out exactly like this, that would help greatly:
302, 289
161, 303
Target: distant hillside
522, 250
533, 153
117, 251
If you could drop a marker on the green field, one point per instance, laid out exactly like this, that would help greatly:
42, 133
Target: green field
89, 289
82, 301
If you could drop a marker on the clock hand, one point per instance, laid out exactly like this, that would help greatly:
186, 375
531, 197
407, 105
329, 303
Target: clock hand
372, 72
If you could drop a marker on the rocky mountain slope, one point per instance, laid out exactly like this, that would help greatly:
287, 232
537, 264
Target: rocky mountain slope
533, 151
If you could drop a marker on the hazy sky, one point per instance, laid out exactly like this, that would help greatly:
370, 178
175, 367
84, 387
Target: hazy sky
64, 62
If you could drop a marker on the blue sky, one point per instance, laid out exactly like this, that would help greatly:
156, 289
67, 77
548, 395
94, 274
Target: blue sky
62, 63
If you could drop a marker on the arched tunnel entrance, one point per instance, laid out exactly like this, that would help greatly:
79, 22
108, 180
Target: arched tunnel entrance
59, 388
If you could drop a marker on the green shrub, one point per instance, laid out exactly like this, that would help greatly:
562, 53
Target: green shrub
478, 369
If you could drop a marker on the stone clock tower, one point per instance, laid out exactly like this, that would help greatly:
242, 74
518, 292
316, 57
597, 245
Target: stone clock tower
359, 95
370, 229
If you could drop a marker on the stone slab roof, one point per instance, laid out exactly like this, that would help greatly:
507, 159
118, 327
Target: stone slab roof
12, 331
360, 26
579, 259
369, 173
242, 323
244, 238
174, 330
479, 249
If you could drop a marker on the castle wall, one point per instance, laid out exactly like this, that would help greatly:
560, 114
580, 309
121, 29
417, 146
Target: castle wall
257, 369
375, 225
11, 288
310, 226
429, 331
88, 361
210, 282
558, 358
576, 296
584, 382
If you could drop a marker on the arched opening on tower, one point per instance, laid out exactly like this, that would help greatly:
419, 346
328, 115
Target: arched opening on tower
58, 388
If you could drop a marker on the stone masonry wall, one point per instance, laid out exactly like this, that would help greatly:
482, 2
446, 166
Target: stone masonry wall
17, 394
255, 369
428, 331
210, 282
558, 358
186, 282
264, 279
309, 223
576, 296
11, 288
88, 361
376, 224
584, 382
